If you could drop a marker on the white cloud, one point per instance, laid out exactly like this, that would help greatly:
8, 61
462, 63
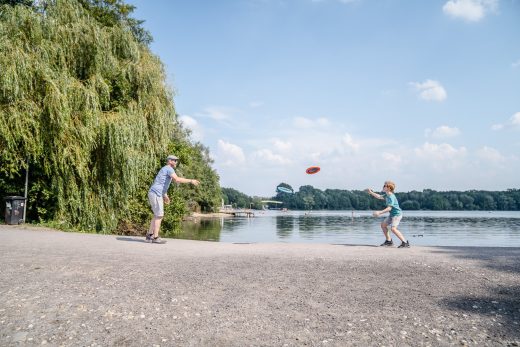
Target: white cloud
515, 119
469, 10
191, 123
443, 131
255, 104
490, 155
218, 113
282, 146
441, 156
307, 123
514, 122
392, 161
516, 64
230, 154
267, 155
349, 144
430, 90
392, 157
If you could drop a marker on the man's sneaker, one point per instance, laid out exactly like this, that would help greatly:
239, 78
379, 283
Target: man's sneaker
388, 243
149, 238
158, 240
404, 245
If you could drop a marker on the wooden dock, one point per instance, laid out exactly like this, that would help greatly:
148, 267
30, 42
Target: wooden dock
238, 212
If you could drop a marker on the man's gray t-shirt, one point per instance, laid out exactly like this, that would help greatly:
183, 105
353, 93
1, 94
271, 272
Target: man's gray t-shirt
162, 181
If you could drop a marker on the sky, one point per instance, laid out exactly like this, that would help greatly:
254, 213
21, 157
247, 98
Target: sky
423, 93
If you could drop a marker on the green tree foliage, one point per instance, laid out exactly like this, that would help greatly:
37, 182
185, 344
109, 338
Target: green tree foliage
205, 197
17, 2
237, 199
115, 12
234, 197
308, 197
88, 106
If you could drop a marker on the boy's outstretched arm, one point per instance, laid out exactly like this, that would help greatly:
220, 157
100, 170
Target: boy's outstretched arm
375, 195
378, 213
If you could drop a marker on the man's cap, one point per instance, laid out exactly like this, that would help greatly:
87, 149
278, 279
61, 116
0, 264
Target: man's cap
171, 157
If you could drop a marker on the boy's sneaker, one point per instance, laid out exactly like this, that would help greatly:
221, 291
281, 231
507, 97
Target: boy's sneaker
404, 245
388, 243
149, 238
158, 240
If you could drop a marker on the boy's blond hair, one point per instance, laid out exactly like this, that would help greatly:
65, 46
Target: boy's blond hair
390, 185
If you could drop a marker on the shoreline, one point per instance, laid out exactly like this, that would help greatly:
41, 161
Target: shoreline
195, 215
63, 288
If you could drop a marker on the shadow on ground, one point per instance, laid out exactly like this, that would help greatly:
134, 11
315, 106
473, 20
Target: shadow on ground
501, 304
131, 239
353, 245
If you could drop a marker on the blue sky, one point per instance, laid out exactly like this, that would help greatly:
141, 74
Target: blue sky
424, 93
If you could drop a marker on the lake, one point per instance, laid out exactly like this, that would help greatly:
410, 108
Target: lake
425, 228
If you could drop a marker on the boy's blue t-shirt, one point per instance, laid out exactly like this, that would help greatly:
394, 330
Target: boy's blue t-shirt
391, 200
162, 181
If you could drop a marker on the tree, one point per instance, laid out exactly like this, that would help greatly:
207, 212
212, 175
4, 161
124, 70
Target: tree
410, 205
111, 13
234, 197
17, 2
89, 106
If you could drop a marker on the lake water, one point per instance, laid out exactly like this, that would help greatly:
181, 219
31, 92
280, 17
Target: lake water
427, 228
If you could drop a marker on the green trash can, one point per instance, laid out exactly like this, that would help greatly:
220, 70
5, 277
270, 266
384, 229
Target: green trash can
14, 208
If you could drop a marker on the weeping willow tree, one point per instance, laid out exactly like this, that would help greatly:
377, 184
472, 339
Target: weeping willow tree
87, 105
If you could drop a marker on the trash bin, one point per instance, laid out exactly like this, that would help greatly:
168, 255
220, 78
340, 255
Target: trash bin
14, 206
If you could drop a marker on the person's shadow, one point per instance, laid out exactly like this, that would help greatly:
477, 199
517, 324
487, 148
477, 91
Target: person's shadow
131, 239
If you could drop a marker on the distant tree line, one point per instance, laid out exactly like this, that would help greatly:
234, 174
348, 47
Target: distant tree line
308, 197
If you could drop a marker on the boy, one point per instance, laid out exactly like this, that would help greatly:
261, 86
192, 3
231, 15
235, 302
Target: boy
392, 206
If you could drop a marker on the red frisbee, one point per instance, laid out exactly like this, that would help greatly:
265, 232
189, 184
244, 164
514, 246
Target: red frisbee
312, 170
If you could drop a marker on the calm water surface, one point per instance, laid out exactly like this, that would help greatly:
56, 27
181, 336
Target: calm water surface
427, 228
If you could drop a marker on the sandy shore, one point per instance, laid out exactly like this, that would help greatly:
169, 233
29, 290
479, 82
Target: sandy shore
76, 289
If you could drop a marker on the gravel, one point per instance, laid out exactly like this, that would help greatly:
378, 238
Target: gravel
73, 289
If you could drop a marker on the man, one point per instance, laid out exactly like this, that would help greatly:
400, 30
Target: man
157, 196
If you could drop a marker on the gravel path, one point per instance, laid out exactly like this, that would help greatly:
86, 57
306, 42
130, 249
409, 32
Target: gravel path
71, 289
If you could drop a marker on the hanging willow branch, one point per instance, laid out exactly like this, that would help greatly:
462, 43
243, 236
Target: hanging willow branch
88, 104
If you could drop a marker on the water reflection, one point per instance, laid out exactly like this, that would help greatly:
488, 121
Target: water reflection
204, 230
422, 228
284, 226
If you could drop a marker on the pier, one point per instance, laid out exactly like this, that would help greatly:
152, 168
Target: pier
237, 212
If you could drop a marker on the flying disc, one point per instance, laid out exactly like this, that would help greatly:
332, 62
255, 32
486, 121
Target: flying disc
284, 189
312, 170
